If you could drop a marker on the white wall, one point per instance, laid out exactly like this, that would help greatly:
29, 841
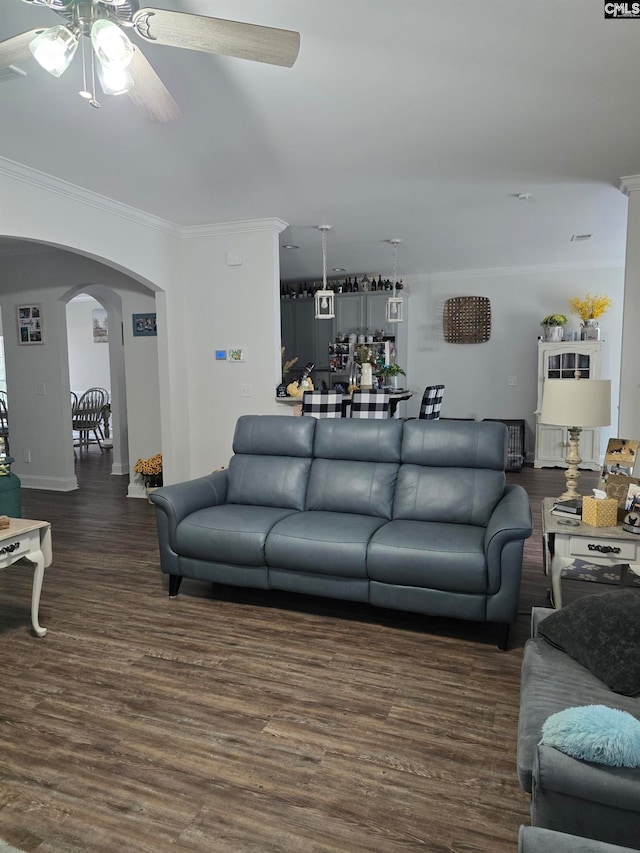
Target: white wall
88, 360
477, 375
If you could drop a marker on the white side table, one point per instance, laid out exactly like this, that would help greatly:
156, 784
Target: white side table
564, 539
30, 540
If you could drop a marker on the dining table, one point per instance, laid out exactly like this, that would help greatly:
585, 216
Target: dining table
396, 397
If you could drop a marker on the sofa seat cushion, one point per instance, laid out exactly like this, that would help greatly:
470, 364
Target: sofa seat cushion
429, 554
332, 543
231, 533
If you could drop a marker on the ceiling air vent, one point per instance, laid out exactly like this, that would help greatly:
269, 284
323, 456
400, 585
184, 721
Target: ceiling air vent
576, 238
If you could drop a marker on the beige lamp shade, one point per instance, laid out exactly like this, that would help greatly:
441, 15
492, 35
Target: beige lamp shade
576, 402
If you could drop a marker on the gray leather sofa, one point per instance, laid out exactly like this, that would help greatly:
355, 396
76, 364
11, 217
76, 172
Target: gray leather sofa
412, 515
569, 795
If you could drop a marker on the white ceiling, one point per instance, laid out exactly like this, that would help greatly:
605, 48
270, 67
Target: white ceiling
401, 118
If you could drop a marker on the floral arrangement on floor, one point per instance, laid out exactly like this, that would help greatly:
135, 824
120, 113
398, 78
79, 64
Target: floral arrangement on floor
554, 320
150, 470
591, 307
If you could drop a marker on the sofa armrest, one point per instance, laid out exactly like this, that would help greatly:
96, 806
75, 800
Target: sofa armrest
179, 500
537, 615
511, 519
579, 797
510, 524
534, 839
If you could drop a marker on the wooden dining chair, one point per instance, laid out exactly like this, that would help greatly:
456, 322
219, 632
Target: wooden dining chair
88, 417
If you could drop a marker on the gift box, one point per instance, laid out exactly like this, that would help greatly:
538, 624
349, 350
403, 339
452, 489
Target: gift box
601, 512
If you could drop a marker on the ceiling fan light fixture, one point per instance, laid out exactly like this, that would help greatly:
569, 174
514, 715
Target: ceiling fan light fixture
54, 49
114, 81
111, 44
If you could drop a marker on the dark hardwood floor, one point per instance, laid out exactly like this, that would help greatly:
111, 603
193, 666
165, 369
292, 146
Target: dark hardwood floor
238, 720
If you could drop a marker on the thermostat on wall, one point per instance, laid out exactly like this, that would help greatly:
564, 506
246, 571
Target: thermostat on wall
235, 355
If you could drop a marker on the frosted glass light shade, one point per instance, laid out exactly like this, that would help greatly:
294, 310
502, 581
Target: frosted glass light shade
111, 44
54, 49
114, 81
394, 309
576, 402
325, 301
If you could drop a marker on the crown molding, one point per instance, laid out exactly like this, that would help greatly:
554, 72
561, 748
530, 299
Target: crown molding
240, 227
27, 175
56, 186
629, 184
536, 269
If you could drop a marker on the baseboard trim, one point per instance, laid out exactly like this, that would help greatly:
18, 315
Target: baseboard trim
118, 469
49, 484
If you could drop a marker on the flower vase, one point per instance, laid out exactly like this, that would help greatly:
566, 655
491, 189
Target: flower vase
590, 331
396, 382
366, 377
150, 490
553, 333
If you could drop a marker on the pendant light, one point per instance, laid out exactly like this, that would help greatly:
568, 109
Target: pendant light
395, 304
325, 298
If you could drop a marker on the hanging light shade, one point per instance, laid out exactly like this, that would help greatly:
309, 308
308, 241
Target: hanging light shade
395, 304
111, 44
54, 49
325, 298
114, 81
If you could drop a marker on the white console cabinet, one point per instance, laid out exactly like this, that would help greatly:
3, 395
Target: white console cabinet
566, 360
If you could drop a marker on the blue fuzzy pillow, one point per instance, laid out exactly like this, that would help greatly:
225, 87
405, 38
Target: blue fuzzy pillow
595, 733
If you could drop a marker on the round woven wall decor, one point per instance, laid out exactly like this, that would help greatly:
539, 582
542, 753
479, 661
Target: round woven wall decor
467, 320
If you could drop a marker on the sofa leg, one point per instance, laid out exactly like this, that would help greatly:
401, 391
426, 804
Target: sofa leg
503, 635
174, 585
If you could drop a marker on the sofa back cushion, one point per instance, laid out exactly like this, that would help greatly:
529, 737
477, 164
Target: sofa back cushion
355, 466
272, 461
452, 471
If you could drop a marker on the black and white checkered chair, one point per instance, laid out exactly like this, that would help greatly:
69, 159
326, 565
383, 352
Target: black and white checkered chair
322, 404
370, 404
431, 403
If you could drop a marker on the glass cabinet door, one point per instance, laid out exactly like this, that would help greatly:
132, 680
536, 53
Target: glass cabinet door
568, 365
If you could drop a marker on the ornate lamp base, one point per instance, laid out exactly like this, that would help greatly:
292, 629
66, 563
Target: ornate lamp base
573, 460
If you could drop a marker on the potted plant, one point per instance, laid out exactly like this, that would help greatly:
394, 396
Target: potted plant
553, 325
589, 309
390, 373
287, 364
150, 470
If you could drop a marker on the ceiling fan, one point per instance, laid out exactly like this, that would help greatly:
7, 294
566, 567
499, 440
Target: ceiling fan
120, 65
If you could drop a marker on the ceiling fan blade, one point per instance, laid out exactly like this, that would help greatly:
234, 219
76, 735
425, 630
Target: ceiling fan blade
149, 93
216, 35
17, 48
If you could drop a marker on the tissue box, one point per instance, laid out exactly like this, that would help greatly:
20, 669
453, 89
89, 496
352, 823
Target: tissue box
600, 513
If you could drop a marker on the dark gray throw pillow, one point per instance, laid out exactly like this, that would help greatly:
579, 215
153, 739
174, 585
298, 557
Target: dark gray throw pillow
602, 632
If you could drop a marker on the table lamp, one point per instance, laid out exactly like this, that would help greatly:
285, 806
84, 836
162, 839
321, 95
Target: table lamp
575, 403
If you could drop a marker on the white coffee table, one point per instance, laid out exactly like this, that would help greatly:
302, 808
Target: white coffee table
29, 540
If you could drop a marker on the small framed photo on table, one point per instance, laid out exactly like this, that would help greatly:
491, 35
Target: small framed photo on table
30, 324
144, 325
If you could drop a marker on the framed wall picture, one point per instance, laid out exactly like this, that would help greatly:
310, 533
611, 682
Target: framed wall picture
100, 326
144, 325
30, 325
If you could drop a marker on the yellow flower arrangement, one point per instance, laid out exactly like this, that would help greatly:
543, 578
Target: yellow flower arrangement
591, 307
150, 470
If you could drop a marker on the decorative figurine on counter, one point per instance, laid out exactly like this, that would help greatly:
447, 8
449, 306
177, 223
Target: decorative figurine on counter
302, 384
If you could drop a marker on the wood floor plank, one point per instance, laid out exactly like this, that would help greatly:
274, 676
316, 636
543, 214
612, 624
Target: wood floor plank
243, 721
